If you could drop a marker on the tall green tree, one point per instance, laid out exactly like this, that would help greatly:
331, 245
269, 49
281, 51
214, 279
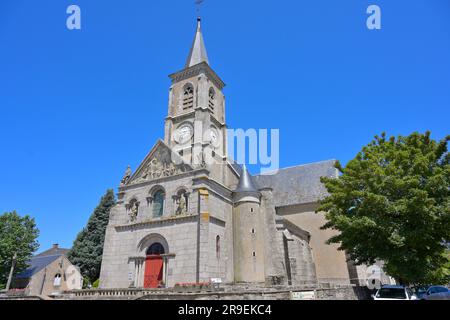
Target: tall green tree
87, 249
18, 236
391, 203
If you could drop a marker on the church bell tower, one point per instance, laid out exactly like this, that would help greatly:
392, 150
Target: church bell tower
195, 126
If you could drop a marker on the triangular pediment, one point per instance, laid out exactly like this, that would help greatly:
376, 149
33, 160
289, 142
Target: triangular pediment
160, 163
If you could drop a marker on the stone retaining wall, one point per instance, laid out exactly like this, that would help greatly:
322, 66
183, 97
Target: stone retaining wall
344, 292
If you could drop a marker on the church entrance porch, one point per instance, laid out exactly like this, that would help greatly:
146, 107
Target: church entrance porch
154, 266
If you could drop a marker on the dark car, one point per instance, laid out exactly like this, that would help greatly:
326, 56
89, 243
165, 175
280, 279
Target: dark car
436, 293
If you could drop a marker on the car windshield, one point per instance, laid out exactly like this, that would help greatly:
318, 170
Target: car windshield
421, 290
391, 293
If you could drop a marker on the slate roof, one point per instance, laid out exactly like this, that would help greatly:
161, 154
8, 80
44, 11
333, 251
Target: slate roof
198, 50
53, 252
299, 184
246, 183
42, 260
36, 264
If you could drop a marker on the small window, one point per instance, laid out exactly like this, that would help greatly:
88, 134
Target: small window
254, 254
218, 247
57, 280
253, 231
251, 210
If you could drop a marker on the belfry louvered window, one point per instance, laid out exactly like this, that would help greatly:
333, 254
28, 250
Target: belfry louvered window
212, 97
188, 97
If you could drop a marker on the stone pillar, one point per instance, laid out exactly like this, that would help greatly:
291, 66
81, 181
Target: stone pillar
203, 236
139, 273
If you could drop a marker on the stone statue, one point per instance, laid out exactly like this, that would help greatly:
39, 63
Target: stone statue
181, 210
201, 160
156, 169
134, 211
126, 177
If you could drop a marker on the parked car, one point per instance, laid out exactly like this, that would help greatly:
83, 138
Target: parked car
391, 292
436, 293
420, 291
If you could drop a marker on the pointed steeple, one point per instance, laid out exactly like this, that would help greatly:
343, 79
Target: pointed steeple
245, 182
198, 51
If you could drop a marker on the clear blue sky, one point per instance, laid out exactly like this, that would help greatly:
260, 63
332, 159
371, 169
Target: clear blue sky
78, 106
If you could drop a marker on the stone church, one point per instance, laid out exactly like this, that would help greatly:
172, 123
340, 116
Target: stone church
189, 214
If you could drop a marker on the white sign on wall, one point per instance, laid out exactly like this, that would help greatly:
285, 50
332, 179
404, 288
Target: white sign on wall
303, 295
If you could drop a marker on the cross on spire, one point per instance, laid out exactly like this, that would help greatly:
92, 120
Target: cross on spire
199, 3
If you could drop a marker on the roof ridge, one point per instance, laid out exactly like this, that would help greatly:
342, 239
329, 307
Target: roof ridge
269, 173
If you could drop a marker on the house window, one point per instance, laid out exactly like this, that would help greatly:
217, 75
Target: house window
218, 247
158, 203
57, 280
188, 97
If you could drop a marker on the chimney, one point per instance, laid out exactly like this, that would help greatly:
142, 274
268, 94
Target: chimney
55, 246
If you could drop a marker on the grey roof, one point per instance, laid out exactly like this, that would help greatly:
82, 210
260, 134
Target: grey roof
54, 251
198, 50
246, 183
36, 264
42, 260
298, 185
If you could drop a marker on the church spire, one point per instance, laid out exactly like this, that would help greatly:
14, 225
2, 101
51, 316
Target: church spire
198, 51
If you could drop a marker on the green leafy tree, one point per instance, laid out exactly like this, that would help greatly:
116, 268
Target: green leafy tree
18, 236
391, 203
87, 249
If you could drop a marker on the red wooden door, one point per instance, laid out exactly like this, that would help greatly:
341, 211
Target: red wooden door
153, 271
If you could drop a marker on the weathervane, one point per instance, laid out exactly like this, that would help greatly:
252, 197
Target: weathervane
199, 3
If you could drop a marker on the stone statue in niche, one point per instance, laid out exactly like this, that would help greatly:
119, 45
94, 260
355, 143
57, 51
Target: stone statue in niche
134, 211
181, 209
201, 160
126, 177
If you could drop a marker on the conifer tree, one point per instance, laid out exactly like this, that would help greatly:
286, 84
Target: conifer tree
87, 249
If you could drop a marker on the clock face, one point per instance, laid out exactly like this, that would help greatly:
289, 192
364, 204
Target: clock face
184, 134
214, 136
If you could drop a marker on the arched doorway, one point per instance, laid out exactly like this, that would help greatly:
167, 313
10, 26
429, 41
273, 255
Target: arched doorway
154, 263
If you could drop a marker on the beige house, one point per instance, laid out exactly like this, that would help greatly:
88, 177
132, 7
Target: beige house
49, 273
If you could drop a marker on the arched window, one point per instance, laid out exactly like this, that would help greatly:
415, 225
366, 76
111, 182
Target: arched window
57, 280
188, 96
155, 249
212, 97
158, 203
218, 247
